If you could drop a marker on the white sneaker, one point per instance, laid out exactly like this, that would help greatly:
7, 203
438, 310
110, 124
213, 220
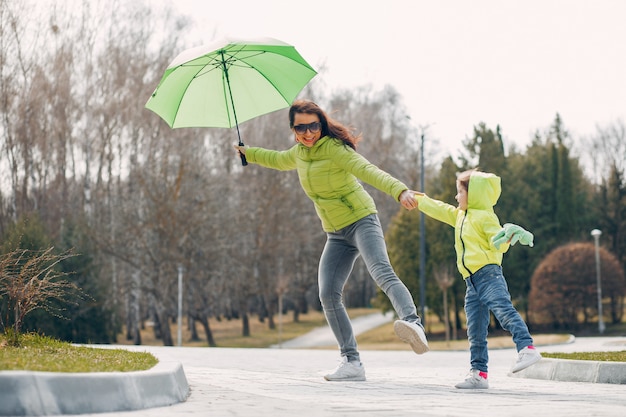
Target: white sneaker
413, 334
525, 358
473, 381
347, 371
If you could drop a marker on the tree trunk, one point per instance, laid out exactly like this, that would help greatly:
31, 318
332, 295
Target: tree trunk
245, 321
133, 315
191, 324
207, 330
166, 333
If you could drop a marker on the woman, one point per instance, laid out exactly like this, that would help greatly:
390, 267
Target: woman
329, 168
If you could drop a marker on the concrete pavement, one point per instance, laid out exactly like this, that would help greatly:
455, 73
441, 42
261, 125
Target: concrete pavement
289, 382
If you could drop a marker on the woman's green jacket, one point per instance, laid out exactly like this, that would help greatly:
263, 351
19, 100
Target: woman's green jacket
329, 173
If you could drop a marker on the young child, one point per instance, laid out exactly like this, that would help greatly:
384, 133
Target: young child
480, 242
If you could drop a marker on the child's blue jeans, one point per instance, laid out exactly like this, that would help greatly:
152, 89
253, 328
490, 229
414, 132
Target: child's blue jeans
487, 291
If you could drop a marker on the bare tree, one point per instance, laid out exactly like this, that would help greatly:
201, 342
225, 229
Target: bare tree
445, 279
78, 146
608, 147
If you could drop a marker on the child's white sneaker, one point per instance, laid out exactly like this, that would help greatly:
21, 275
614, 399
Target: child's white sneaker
473, 381
526, 357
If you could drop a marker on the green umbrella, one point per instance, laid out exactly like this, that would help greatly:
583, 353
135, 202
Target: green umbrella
228, 82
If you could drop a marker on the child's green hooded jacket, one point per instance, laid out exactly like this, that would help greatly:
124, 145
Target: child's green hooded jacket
473, 228
329, 172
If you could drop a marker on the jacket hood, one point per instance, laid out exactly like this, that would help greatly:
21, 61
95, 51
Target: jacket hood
483, 191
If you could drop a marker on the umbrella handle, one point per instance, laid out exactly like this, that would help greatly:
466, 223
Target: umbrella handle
244, 162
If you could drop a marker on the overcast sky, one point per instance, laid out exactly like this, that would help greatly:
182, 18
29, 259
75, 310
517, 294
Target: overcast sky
455, 62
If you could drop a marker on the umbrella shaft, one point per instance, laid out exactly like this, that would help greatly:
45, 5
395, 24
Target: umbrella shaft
230, 93
232, 103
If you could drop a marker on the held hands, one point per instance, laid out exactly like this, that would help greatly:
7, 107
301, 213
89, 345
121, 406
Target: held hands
408, 200
512, 233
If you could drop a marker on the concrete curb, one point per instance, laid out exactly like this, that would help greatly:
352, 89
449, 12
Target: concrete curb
576, 371
568, 370
26, 393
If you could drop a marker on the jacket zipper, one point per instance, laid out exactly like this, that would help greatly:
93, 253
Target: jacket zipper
345, 201
463, 244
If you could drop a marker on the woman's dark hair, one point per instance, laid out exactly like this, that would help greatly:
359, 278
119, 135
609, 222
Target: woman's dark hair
330, 127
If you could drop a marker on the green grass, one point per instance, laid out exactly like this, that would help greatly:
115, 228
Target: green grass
589, 356
39, 353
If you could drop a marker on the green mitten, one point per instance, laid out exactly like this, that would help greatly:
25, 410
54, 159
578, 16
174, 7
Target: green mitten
499, 238
512, 233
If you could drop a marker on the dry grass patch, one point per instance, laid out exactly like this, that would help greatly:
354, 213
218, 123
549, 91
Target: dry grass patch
228, 333
384, 338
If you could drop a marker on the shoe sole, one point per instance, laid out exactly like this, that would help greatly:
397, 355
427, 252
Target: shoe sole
534, 361
360, 378
472, 387
407, 334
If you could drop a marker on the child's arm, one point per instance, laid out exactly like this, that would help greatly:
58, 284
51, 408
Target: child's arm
511, 234
436, 209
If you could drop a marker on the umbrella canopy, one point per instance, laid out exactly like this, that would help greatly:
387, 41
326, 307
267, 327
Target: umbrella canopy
228, 82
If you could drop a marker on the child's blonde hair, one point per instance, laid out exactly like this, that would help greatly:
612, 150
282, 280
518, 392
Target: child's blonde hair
464, 177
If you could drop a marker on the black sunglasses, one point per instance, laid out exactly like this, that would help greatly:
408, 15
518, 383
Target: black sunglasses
313, 127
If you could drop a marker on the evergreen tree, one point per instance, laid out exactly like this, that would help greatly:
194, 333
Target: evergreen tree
564, 216
403, 241
613, 213
89, 320
486, 147
550, 197
440, 245
82, 317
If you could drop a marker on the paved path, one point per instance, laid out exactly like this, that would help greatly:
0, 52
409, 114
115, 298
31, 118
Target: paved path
323, 336
288, 382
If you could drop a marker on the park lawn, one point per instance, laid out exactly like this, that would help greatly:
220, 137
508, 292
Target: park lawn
40, 353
